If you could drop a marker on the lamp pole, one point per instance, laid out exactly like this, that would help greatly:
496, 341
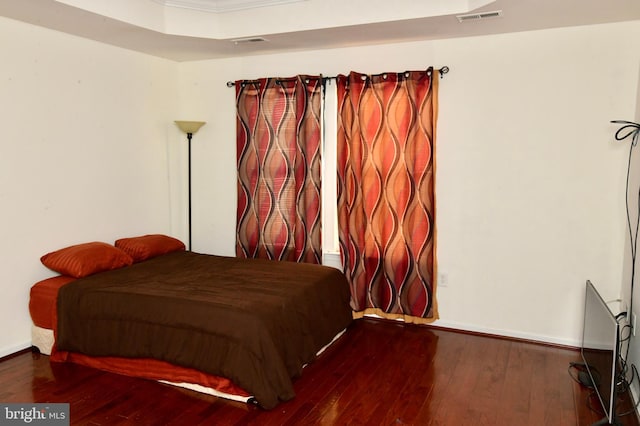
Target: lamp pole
189, 135
189, 127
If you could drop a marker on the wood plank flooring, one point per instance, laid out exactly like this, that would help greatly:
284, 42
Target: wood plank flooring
378, 373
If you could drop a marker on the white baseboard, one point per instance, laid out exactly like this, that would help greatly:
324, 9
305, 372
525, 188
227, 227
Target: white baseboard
9, 350
507, 333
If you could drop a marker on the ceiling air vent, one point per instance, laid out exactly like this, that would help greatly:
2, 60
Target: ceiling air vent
249, 40
479, 16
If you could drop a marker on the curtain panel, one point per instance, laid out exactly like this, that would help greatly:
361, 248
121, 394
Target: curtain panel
386, 201
278, 159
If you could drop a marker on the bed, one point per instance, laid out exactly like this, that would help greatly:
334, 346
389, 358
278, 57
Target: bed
239, 328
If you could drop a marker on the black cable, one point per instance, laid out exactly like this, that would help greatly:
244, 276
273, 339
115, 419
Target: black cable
634, 373
632, 129
579, 367
621, 384
629, 129
597, 409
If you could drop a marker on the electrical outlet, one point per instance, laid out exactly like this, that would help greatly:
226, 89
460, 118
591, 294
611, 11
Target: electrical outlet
443, 279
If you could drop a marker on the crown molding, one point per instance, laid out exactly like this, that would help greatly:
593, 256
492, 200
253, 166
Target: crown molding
222, 6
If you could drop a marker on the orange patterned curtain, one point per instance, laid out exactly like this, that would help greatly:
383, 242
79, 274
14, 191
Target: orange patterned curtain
278, 154
386, 204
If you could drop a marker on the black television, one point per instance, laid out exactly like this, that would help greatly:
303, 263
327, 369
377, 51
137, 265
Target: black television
600, 346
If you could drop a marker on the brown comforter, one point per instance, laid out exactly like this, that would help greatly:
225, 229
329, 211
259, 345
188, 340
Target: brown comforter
254, 321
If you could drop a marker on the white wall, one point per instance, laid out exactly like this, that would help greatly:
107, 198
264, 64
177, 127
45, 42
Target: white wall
83, 154
530, 185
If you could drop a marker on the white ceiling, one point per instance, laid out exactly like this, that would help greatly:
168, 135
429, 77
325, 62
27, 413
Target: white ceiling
185, 30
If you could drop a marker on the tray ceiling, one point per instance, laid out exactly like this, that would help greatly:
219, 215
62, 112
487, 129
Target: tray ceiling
181, 30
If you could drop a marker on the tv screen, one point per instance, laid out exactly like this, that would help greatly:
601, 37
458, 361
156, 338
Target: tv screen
600, 340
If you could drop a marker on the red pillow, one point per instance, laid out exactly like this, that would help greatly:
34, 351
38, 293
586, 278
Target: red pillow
148, 246
86, 259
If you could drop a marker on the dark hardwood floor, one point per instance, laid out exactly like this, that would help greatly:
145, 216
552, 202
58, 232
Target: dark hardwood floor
379, 372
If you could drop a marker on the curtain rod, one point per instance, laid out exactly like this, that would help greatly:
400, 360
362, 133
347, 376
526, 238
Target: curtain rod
443, 71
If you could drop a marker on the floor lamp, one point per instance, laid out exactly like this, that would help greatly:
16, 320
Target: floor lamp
190, 127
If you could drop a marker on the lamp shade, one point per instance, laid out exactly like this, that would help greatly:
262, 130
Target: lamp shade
190, 126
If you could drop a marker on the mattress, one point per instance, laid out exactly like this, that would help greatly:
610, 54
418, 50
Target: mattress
42, 302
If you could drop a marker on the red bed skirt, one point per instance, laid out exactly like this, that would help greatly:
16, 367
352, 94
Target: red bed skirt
151, 369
